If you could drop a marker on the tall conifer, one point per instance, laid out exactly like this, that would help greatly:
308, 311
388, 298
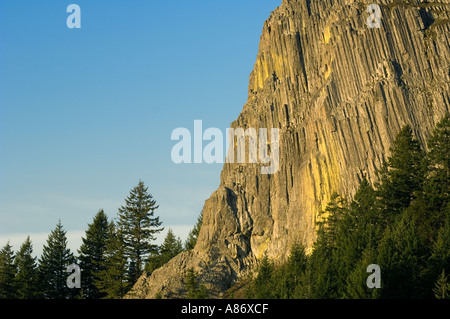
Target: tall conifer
26, 279
138, 227
92, 254
7, 273
53, 264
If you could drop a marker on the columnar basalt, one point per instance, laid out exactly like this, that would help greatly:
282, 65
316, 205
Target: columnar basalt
338, 92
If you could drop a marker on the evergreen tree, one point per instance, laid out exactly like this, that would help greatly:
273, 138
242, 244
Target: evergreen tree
191, 240
171, 247
366, 214
138, 228
193, 288
356, 282
402, 175
358, 233
289, 276
439, 144
92, 254
263, 285
440, 253
328, 226
26, 279
322, 283
7, 273
52, 270
442, 287
110, 279
324, 261
402, 258
428, 210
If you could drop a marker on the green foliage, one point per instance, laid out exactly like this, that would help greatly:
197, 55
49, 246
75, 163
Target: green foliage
138, 227
442, 287
171, 247
7, 273
402, 175
92, 255
26, 279
194, 290
191, 240
110, 279
52, 270
110, 256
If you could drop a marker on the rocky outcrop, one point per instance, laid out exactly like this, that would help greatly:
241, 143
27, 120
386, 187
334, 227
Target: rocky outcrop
339, 92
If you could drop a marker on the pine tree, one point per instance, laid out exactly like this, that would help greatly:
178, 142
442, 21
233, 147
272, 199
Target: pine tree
171, 247
26, 279
7, 273
92, 254
191, 240
110, 279
52, 270
138, 228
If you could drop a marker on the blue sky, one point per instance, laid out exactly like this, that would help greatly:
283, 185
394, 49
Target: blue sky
86, 113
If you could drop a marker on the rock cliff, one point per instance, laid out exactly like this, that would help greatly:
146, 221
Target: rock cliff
338, 91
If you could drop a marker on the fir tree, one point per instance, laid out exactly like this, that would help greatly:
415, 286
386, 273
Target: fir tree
442, 287
138, 227
356, 281
328, 226
7, 273
92, 254
428, 210
26, 279
402, 259
289, 276
110, 279
439, 144
191, 240
52, 270
263, 285
193, 288
440, 254
402, 175
171, 247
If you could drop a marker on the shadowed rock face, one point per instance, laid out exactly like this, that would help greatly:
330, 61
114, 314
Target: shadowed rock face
339, 92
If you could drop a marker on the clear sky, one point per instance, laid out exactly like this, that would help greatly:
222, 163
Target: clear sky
86, 113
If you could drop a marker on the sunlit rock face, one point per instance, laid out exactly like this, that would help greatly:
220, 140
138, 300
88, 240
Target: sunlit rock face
338, 91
